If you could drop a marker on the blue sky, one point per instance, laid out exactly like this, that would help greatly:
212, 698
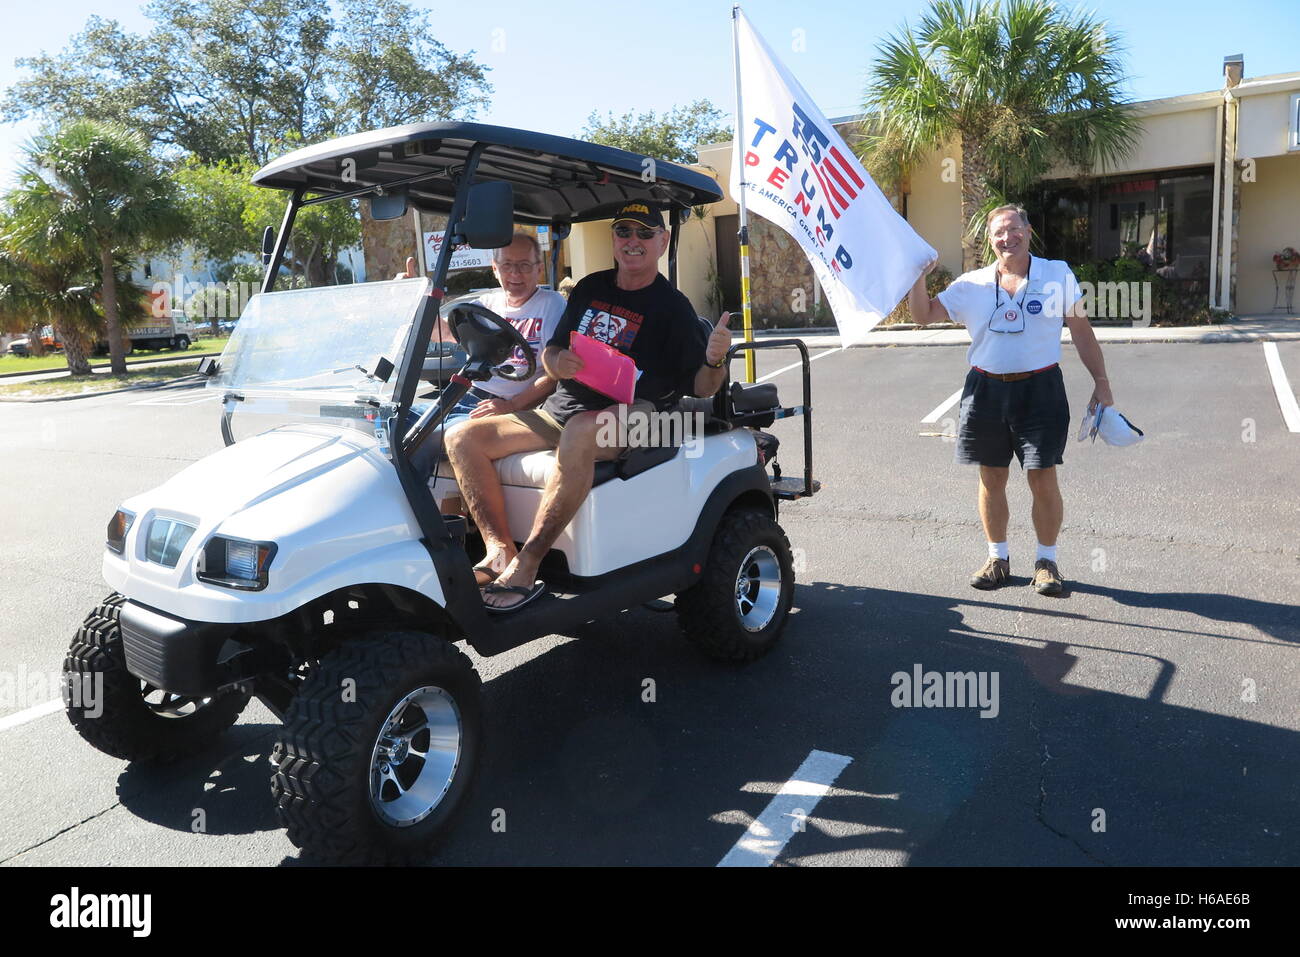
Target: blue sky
553, 63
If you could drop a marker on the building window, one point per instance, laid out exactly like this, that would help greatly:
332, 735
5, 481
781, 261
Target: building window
1293, 139
1163, 220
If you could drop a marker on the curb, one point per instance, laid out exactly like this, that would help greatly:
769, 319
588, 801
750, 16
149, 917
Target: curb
139, 363
144, 387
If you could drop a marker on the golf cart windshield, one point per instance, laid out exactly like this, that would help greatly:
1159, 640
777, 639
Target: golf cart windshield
311, 352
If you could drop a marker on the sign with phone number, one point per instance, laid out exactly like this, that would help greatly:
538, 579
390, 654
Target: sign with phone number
462, 257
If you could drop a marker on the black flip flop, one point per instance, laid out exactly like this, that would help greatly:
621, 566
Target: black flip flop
528, 593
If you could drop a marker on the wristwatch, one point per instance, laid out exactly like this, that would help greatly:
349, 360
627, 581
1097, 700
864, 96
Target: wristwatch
716, 365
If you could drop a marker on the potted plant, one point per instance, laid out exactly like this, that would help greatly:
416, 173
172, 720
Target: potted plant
1288, 258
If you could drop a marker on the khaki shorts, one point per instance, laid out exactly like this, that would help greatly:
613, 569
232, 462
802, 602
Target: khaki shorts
543, 424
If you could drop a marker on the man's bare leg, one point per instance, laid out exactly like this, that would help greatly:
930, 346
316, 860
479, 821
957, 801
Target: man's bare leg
994, 513
472, 448
566, 490
1049, 509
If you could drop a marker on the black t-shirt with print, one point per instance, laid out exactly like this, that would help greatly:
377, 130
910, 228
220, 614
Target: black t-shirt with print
656, 326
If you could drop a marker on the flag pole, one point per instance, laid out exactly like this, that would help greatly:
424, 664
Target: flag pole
746, 305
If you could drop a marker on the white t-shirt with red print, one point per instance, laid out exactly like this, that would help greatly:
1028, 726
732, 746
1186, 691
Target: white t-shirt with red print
536, 320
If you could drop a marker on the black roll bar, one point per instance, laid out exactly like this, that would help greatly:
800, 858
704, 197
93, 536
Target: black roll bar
281, 242
674, 222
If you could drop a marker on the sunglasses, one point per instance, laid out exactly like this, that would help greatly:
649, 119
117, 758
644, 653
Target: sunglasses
642, 232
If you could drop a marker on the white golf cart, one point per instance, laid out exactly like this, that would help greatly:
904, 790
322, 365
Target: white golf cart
309, 565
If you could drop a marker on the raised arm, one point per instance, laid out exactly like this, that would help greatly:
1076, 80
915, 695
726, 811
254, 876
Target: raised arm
709, 378
924, 309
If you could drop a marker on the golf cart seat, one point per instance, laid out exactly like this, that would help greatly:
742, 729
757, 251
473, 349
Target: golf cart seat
532, 469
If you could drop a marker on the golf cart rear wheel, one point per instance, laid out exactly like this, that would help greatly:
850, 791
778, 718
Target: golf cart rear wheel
379, 749
738, 608
124, 716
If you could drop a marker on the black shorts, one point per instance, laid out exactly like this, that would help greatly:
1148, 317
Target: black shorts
1029, 418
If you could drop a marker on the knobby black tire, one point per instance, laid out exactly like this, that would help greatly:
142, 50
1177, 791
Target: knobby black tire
321, 784
124, 726
707, 610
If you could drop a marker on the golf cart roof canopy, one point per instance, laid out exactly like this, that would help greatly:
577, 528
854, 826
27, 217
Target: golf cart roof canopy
555, 179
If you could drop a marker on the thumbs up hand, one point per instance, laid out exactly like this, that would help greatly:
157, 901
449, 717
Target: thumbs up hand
719, 341
410, 272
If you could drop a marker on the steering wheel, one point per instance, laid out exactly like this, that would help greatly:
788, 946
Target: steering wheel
489, 338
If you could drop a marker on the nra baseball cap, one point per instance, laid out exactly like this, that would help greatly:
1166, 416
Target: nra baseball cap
640, 213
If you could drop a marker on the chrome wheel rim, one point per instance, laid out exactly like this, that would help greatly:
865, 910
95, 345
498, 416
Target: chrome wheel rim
415, 757
758, 588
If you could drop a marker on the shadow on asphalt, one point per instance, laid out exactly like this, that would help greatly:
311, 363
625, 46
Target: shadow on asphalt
579, 767
1280, 621
229, 783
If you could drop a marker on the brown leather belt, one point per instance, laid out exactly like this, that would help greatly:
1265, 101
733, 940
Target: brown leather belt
1013, 376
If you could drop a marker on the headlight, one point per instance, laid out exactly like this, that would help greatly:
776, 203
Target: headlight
235, 563
118, 526
166, 540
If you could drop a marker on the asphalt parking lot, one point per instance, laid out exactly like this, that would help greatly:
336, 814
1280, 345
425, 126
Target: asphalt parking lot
1146, 717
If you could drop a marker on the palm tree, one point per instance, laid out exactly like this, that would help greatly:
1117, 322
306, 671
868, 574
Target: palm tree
37, 290
93, 189
1022, 85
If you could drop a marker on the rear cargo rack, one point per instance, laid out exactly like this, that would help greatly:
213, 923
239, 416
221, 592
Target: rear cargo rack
782, 488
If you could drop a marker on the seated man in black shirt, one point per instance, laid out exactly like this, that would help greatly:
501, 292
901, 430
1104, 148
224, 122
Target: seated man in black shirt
632, 308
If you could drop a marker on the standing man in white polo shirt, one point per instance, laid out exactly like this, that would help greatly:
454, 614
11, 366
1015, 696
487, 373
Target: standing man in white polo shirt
1014, 399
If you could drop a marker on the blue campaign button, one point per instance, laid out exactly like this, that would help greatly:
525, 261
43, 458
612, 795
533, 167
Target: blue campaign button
1034, 307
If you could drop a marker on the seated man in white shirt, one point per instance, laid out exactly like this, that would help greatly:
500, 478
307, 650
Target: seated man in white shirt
1014, 398
535, 312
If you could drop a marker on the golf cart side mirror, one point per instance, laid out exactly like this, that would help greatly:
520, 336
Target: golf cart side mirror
489, 220
389, 205
268, 245
208, 366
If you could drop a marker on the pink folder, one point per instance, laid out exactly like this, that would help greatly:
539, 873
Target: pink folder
604, 368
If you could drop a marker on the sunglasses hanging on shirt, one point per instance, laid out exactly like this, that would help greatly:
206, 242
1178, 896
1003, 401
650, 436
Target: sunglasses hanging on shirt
1009, 316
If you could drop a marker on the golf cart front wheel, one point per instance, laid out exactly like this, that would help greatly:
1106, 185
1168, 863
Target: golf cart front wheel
126, 717
738, 608
379, 749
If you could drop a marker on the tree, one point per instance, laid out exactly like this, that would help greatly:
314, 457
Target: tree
92, 190
37, 289
1022, 86
671, 137
228, 214
387, 68
36, 292
221, 79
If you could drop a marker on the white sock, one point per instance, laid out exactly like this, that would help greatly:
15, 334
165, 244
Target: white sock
999, 550
1046, 551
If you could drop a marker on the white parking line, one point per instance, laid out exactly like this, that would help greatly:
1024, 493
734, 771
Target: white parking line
1285, 397
30, 714
794, 365
769, 832
943, 407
